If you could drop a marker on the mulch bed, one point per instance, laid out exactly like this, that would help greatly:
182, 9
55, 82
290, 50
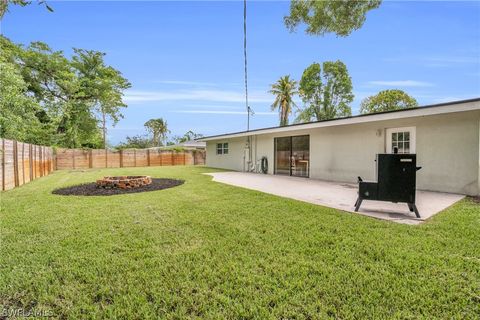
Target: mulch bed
90, 189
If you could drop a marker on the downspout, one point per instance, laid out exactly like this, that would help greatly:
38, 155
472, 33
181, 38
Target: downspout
255, 162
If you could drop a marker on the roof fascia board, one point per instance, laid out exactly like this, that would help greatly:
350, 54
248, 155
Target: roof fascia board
417, 112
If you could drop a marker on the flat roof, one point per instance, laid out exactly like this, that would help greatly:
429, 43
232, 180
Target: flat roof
433, 109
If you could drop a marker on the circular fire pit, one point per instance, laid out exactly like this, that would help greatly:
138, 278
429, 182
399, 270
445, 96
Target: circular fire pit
92, 188
123, 182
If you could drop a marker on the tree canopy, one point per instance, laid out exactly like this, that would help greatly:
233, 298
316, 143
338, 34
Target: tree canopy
284, 90
387, 100
158, 128
70, 96
4, 4
136, 142
18, 111
188, 136
321, 17
326, 93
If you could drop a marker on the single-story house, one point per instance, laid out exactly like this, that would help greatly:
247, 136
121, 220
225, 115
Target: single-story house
445, 137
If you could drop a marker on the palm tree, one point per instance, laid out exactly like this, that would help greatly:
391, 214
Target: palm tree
284, 89
158, 127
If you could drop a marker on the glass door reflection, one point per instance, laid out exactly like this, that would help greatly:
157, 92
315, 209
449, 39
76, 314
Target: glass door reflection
292, 156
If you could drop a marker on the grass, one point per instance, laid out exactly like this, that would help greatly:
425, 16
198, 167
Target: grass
208, 250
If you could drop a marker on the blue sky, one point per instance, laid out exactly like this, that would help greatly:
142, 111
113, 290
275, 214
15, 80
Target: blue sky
185, 59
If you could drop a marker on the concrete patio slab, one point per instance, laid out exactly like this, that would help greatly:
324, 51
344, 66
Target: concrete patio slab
339, 195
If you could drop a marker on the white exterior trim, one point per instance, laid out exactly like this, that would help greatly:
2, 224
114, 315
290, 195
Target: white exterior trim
413, 138
453, 107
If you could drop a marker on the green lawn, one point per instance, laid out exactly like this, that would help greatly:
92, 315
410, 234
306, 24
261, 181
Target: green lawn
208, 250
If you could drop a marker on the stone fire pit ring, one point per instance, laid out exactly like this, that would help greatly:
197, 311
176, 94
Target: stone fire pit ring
123, 182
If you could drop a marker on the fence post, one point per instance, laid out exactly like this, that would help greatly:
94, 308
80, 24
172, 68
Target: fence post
183, 157
23, 162
44, 156
54, 156
135, 157
15, 164
41, 162
173, 158
106, 158
40, 166
148, 157
121, 158
73, 158
50, 160
30, 162
90, 159
37, 160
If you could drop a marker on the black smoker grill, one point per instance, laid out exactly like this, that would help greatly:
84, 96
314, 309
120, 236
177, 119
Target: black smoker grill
396, 176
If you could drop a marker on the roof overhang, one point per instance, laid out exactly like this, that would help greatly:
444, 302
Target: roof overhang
437, 109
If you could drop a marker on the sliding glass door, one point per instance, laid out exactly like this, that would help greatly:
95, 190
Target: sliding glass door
283, 150
292, 156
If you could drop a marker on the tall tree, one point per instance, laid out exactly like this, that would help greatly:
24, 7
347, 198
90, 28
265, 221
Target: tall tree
158, 128
18, 111
58, 84
105, 84
326, 93
190, 136
388, 100
321, 17
284, 90
69, 91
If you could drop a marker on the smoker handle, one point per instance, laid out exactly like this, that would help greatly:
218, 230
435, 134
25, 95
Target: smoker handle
418, 168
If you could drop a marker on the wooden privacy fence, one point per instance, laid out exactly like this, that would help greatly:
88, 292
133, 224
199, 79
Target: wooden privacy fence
95, 158
23, 162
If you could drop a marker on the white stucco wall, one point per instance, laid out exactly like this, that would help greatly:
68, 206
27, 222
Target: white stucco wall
232, 161
447, 148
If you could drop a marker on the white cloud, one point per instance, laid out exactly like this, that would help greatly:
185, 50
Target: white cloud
214, 95
400, 83
187, 83
453, 98
454, 60
437, 61
225, 112
214, 106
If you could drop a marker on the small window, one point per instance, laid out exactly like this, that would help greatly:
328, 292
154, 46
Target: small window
401, 139
222, 148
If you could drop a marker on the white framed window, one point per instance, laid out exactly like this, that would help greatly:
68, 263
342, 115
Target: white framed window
222, 148
404, 139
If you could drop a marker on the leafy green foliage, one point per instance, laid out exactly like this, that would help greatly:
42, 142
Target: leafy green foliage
388, 100
326, 94
284, 90
71, 94
4, 4
17, 110
158, 128
207, 250
188, 136
104, 84
321, 17
136, 142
